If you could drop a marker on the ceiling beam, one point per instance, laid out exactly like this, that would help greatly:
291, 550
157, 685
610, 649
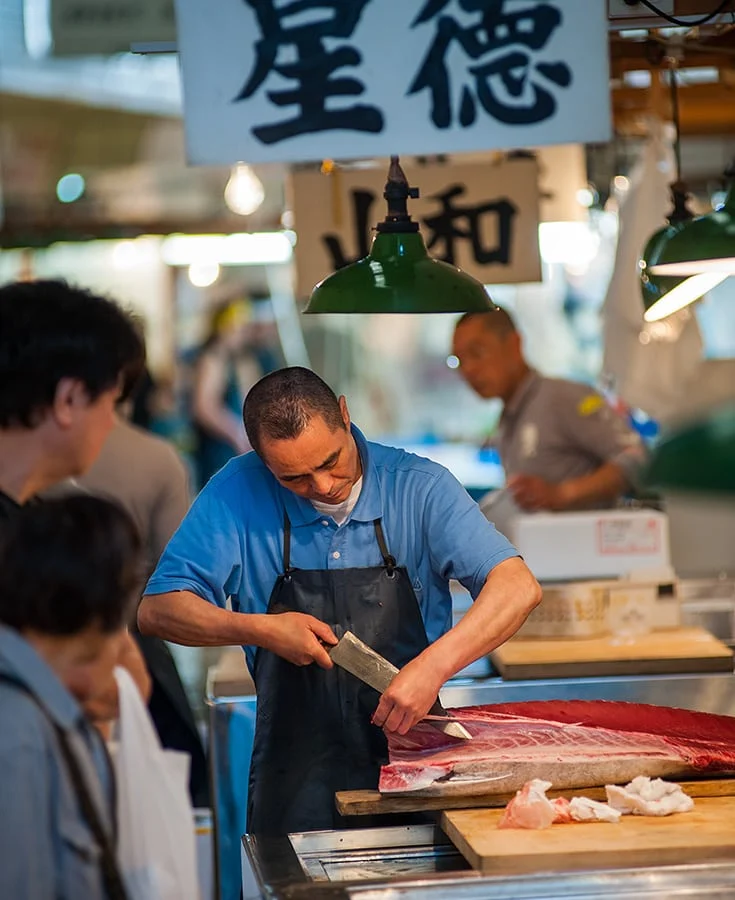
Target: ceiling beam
704, 109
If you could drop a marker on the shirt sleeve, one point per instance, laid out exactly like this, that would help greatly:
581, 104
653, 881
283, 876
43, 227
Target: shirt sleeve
204, 555
592, 425
27, 858
463, 544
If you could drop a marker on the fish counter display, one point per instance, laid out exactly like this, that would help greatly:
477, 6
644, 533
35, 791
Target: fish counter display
461, 852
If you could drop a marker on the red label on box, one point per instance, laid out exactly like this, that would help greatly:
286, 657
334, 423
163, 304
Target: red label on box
616, 537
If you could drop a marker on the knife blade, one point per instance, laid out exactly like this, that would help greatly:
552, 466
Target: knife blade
360, 660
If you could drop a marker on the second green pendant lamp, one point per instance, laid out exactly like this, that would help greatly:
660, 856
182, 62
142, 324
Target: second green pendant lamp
705, 245
664, 294
398, 275
688, 257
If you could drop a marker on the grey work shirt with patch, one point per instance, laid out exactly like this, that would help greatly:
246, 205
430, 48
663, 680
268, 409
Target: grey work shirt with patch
47, 852
558, 430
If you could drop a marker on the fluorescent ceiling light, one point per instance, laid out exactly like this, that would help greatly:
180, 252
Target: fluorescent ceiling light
724, 265
683, 294
244, 249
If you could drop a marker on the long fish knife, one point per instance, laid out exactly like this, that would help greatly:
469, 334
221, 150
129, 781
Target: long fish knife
364, 663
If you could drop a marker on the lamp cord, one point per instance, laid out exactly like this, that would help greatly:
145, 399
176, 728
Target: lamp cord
681, 22
674, 85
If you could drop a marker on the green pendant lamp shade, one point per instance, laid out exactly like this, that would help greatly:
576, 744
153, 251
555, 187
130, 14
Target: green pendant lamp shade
705, 245
398, 275
666, 294
700, 457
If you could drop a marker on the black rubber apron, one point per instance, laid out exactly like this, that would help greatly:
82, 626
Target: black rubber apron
313, 733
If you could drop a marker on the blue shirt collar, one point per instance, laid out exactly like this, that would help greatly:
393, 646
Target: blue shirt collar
369, 505
21, 663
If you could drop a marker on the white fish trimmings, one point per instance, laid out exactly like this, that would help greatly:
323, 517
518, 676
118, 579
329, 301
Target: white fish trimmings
583, 809
647, 797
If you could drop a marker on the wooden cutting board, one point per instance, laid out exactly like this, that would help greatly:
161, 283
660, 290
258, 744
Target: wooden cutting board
705, 833
658, 653
368, 803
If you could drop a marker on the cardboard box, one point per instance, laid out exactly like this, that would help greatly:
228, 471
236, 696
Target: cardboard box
578, 609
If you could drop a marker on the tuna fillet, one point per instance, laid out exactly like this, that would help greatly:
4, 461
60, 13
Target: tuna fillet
572, 743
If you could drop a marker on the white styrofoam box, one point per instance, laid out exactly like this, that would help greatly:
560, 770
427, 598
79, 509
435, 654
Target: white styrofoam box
662, 595
611, 543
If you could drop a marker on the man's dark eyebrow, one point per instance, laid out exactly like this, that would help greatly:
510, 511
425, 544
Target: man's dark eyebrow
330, 460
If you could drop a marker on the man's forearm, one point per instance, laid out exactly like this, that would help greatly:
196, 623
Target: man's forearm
502, 606
185, 618
605, 483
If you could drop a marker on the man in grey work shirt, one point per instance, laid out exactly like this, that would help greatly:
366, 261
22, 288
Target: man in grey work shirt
561, 444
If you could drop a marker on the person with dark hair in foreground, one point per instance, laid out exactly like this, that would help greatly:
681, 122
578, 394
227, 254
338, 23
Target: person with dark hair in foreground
67, 356
560, 443
69, 580
316, 532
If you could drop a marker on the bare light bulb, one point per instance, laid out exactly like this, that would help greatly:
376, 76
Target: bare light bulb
244, 192
203, 274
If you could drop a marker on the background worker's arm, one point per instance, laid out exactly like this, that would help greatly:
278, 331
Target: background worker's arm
591, 427
601, 486
208, 409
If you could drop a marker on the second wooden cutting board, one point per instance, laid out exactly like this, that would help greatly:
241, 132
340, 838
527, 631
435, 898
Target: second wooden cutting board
662, 652
704, 833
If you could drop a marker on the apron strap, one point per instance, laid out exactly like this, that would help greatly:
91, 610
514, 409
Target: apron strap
286, 543
388, 560
111, 876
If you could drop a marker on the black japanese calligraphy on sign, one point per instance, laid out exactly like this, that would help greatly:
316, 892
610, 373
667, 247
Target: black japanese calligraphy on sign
451, 225
509, 84
362, 202
465, 223
301, 27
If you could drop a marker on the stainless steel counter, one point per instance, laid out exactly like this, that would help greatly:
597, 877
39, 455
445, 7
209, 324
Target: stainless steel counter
417, 862
714, 693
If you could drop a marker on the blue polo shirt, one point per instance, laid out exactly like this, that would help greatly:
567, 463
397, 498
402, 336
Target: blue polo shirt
231, 541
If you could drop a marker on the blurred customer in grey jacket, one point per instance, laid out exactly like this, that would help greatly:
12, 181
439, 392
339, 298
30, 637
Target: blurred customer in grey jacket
63, 617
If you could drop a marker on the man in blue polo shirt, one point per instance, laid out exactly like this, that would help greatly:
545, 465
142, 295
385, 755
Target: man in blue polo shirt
317, 532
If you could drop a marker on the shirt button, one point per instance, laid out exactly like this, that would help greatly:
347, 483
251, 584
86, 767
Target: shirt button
336, 554
325, 522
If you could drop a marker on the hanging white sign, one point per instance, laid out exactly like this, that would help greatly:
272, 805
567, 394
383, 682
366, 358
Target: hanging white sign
277, 80
481, 217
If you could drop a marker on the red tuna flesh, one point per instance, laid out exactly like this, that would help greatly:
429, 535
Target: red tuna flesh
572, 743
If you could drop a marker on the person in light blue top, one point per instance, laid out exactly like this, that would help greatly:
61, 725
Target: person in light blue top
316, 532
69, 569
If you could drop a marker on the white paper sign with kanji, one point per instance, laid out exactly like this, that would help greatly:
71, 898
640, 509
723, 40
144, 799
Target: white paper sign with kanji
481, 217
288, 80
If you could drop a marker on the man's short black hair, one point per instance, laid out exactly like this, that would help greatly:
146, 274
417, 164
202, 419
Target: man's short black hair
497, 320
281, 405
69, 564
50, 331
